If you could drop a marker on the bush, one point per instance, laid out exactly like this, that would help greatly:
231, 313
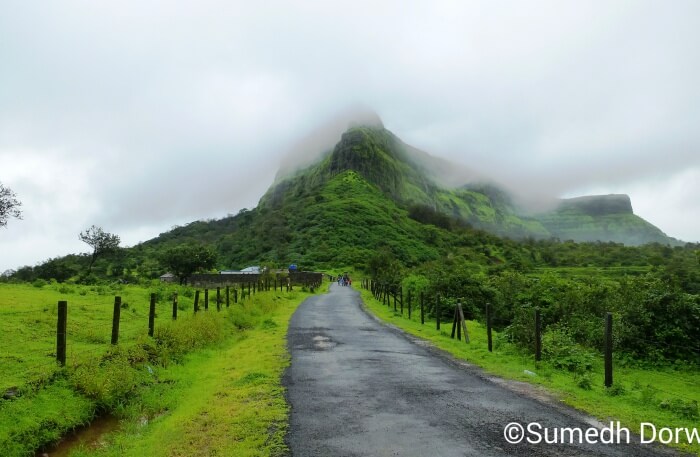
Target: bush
64, 289
187, 292
648, 394
585, 381
108, 381
242, 318
39, 283
684, 409
559, 349
175, 338
616, 390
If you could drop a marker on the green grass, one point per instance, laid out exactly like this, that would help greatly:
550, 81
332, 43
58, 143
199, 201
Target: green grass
226, 400
638, 395
199, 359
28, 318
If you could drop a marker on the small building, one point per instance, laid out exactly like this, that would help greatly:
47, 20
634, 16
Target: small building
168, 277
246, 271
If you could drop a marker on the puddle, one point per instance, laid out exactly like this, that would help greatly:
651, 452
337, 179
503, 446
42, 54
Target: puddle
323, 342
90, 437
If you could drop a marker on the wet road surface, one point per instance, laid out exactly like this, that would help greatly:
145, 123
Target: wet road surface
359, 388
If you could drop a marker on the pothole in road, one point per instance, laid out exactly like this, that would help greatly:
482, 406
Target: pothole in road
323, 342
312, 339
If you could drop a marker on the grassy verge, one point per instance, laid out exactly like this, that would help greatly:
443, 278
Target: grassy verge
224, 400
666, 398
204, 384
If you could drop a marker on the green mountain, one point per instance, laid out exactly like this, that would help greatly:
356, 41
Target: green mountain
601, 217
408, 177
372, 190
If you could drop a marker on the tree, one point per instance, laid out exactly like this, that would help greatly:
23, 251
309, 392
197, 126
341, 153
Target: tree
185, 259
9, 205
100, 241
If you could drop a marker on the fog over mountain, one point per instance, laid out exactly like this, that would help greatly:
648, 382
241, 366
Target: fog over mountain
139, 116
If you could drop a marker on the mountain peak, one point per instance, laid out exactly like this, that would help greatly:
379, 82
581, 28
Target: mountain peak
321, 140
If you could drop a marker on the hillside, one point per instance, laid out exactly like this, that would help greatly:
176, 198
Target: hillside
601, 217
409, 177
372, 190
369, 191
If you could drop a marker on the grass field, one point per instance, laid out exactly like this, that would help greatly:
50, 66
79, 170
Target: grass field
28, 318
229, 362
666, 398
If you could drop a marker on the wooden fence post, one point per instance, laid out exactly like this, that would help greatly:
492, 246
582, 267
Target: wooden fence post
437, 311
196, 301
206, 299
464, 323
422, 310
218, 298
459, 324
175, 306
409, 303
488, 327
152, 315
394, 299
608, 350
61, 332
116, 313
538, 335
228, 296
401, 298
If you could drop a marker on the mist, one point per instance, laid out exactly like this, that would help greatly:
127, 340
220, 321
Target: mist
138, 117
323, 138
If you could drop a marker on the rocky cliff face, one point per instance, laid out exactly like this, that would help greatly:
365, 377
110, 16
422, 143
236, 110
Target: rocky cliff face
598, 205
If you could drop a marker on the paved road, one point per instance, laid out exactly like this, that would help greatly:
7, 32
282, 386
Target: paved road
359, 388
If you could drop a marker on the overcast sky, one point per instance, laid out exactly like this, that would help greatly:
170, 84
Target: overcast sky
140, 115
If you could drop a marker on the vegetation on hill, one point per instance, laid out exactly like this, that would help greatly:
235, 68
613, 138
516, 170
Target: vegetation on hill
605, 217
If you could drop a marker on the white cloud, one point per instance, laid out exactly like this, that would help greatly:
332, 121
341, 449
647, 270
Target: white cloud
158, 113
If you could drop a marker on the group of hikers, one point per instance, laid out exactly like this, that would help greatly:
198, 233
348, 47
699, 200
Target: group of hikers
344, 280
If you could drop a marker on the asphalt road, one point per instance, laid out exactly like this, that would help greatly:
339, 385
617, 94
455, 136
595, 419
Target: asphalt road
359, 388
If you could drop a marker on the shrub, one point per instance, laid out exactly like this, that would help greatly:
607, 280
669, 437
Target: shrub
108, 381
175, 338
684, 409
648, 394
242, 318
39, 283
616, 390
585, 381
559, 349
64, 289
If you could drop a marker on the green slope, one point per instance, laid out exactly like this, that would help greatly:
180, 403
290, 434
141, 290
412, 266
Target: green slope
359, 196
403, 174
603, 217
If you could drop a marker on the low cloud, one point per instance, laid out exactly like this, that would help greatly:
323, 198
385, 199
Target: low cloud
157, 114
